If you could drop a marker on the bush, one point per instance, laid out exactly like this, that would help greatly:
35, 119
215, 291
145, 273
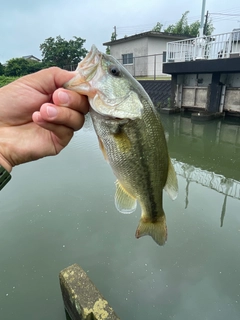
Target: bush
5, 80
17, 67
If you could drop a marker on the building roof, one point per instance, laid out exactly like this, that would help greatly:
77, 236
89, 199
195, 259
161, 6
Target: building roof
31, 57
154, 34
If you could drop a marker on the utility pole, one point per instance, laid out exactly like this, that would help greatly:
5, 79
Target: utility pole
202, 18
205, 24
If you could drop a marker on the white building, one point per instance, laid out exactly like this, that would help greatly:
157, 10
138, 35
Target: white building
143, 54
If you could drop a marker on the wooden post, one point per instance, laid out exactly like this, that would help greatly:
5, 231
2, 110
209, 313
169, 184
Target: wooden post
82, 300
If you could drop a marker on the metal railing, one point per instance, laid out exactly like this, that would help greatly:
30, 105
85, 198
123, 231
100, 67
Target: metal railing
149, 66
70, 67
225, 45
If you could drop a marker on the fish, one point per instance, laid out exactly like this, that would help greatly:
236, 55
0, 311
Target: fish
131, 138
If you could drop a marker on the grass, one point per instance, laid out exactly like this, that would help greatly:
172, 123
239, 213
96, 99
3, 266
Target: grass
152, 78
5, 80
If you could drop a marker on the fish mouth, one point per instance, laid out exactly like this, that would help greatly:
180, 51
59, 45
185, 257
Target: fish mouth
117, 107
89, 64
86, 69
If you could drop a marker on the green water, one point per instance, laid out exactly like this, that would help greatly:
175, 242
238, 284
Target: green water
59, 211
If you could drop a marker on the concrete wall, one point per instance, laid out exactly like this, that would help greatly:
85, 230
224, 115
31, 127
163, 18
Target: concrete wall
147, 53
156, 46
81, 298
193, 91
232, 92
139, 48
232, 100
198, 80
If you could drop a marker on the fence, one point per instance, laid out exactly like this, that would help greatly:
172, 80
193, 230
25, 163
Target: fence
225, 45
148, 66
70, 67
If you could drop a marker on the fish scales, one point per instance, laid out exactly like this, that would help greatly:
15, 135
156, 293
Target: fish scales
131, 138
141, 157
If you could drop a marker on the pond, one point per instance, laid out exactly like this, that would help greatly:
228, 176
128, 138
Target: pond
60, 210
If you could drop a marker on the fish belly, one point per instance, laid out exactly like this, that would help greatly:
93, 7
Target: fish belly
137, 153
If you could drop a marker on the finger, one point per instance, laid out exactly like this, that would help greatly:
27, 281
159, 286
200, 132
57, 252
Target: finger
48, 80
61, 135
71, 99
60, 116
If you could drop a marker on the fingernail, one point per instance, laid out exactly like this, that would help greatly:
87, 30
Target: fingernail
63, 97
51, 111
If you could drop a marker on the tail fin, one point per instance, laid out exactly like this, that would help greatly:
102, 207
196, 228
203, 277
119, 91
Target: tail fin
157, 230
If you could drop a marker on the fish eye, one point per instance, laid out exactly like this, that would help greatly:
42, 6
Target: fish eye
114, 71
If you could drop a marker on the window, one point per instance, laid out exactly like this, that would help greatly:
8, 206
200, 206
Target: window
127, 58
164, 56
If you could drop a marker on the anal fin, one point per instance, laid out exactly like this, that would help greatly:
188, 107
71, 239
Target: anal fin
171, 186
124, 202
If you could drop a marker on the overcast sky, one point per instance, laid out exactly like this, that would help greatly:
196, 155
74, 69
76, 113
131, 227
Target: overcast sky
25, 24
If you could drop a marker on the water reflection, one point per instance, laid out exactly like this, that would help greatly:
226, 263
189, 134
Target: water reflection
63, 213
210, 145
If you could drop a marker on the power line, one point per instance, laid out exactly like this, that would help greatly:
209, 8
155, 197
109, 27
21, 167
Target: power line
226, 14
231, 9
215, 17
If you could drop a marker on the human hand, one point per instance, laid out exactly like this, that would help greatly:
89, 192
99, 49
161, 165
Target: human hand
38, 117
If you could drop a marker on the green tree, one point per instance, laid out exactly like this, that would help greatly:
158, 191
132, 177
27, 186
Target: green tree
17, 67
60, 52
158, 27
193, 29
34, 66
208, 28
1, 69
182, 27
113, 38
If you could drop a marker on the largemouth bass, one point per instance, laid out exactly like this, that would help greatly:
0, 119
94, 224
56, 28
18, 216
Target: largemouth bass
131, 138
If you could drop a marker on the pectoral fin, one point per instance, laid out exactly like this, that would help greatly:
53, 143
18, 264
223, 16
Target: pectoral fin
123, 201
122, 141
102, 148
171, 186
